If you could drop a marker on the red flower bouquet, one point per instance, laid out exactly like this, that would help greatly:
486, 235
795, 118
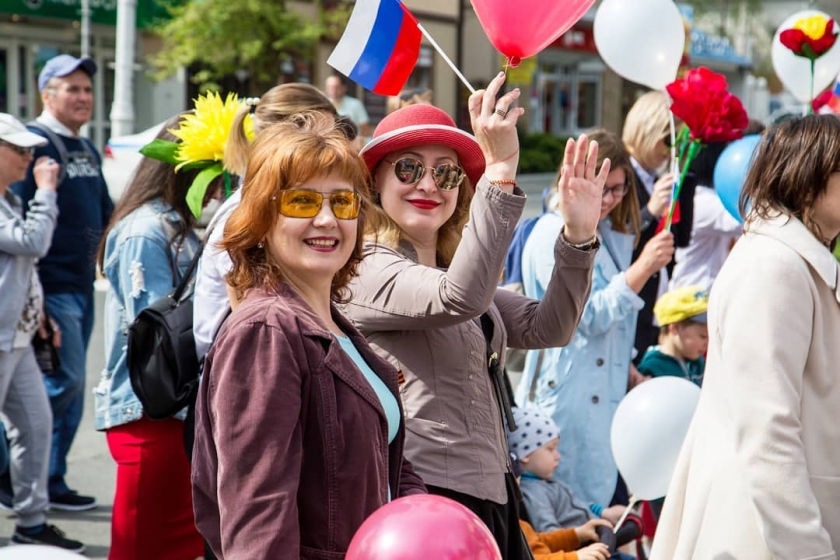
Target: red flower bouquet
810, 37
710, 113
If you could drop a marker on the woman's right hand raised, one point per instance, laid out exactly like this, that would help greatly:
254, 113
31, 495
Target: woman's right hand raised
494, 125
45, 173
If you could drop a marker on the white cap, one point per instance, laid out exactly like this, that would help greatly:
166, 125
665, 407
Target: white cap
14, 132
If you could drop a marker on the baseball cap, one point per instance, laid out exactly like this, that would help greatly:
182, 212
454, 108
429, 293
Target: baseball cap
14, 132
62, 65
681, 304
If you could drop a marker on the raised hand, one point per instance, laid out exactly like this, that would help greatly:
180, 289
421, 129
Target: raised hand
494, 125
45, 173
580, 190
660, 198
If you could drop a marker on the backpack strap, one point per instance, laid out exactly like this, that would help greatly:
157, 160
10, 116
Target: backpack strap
55, 140
501, 385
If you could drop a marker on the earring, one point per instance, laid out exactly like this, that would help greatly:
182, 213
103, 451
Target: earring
260, 245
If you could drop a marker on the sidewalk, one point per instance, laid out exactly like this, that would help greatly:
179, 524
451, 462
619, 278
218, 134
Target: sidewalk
91, 469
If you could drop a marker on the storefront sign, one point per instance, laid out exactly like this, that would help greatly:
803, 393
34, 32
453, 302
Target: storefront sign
101, 11
577, 39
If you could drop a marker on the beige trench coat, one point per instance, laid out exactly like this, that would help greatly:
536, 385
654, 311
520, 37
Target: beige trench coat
759, 473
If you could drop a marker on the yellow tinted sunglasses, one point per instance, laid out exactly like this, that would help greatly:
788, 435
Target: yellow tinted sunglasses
300, 203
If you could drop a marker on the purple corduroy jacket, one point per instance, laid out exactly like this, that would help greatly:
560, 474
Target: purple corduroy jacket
291, 451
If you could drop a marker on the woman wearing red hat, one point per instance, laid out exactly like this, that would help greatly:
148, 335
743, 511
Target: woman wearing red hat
446, 204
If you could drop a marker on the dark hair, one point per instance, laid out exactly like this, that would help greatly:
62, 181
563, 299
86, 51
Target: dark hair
282, 157
791, 168
156, 179
702, 169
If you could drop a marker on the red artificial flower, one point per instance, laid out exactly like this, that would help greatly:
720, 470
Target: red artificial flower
712, 114
810, 37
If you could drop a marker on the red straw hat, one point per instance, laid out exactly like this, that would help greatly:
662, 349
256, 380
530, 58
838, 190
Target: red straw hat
418, 125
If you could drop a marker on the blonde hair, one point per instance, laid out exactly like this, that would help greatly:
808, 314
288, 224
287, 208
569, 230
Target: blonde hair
275, 106
383, 230
647, 122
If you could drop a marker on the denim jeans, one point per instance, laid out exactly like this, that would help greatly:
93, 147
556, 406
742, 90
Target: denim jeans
66, 388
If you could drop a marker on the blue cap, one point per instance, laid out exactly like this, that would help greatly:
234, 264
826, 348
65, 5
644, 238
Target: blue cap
62, 65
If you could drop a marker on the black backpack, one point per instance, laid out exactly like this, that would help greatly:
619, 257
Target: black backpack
162, 362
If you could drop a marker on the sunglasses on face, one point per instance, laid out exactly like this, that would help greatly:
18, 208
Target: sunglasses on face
17, 149
345, 205
617, 191
447, 176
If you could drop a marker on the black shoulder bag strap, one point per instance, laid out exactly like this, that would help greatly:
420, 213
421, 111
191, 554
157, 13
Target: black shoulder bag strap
501, 384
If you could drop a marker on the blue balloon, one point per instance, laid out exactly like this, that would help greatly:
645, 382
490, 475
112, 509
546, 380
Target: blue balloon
731, 170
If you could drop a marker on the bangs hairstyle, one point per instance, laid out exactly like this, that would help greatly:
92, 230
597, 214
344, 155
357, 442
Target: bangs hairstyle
382, 230
647, 122
275, 106
625, 217
283, 157
791, 168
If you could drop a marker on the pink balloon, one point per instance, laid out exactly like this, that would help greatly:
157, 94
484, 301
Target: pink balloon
522, 28
423, 527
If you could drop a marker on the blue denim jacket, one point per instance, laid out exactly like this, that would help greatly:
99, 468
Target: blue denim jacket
137, 264
581, 384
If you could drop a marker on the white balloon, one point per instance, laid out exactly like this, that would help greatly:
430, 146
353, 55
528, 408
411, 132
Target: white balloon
648, 430
36, 552
795, 71
641, 40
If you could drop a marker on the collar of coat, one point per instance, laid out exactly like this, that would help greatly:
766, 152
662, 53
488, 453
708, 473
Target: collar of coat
790, 231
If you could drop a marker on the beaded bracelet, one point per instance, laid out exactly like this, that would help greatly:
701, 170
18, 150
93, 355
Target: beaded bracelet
500, 182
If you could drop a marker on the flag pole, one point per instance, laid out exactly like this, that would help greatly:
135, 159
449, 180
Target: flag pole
446, 58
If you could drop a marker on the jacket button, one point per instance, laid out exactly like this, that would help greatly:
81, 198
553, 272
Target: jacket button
599, 362
552, 384
595, 399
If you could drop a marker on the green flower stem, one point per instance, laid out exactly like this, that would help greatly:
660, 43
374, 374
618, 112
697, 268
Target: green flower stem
811, 104
694, 148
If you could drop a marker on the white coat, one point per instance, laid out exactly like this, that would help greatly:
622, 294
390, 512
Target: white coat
759, 473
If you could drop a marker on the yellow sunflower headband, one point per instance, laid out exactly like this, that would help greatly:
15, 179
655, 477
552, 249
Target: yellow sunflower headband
204, 134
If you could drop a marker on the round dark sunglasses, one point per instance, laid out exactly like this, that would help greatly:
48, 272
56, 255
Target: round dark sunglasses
446, 176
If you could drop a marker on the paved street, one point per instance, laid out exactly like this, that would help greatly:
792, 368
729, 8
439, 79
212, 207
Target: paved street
92, 471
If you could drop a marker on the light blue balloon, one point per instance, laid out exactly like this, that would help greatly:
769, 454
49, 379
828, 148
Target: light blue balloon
731, 170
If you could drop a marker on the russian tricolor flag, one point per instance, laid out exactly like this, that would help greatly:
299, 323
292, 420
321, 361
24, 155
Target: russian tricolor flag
380, 46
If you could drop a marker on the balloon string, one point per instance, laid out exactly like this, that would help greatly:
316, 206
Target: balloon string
633, 501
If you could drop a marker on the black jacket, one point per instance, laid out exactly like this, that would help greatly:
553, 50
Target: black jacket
646, 333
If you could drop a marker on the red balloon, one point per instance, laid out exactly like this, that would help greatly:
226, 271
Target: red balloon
522, 28
423, 527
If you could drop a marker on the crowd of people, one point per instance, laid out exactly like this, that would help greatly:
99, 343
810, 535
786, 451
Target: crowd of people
351, 329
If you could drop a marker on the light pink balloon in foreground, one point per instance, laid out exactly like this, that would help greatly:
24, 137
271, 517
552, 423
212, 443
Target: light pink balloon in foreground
423, 527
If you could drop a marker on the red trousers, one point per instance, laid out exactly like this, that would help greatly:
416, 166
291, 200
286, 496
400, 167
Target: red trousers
153, 514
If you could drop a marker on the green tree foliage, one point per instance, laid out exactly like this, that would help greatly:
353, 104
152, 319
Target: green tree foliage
223, 36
